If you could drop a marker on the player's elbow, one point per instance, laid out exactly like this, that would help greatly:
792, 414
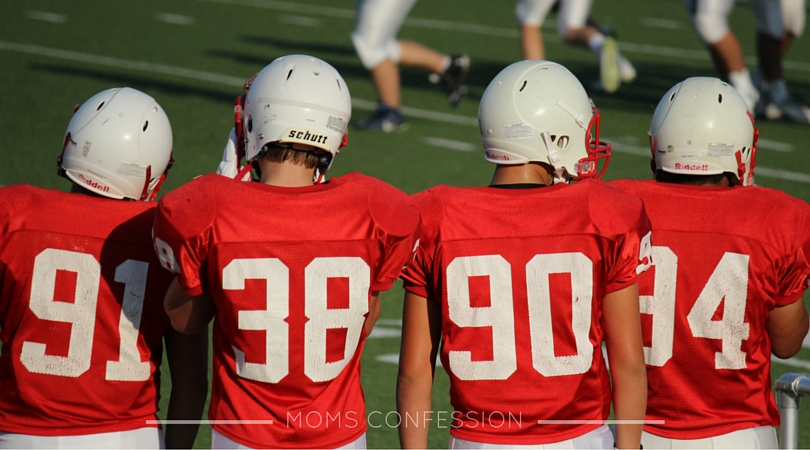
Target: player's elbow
785, 348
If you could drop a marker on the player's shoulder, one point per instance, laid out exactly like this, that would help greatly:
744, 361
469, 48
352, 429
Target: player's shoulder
200, 192
611, 209
630, 186
391, 208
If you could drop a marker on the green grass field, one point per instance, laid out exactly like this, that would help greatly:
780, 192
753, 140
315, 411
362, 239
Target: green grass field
193, 55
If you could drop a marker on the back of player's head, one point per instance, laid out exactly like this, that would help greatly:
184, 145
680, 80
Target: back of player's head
538, 111
118, 144
702, 127
296, 100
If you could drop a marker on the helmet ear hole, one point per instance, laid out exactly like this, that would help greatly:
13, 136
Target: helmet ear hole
562, 142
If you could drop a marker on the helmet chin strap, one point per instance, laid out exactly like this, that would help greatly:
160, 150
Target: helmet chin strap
554, 159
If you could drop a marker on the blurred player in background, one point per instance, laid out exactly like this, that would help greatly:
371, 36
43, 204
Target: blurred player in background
725, 290
292, 265
710, 20
778, 23
575, 27
81, 310
375, 39
522, 280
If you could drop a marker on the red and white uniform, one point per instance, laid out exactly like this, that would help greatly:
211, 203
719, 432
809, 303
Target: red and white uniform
520, 275
81, 313
723, 259
290, 271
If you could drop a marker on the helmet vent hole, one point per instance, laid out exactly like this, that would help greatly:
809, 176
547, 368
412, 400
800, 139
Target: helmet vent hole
553, 137
340, 88
316, 73
289, 74
99, 106
562, 142
719, 98
523, 86
145, 125
672, 97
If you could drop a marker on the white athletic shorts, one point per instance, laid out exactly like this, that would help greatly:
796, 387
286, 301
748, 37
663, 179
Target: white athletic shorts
375, 32
757, 437
218, 440
598, 438
710, 18
573, 14
140, 438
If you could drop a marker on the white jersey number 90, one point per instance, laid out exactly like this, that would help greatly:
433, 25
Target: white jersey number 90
500, 314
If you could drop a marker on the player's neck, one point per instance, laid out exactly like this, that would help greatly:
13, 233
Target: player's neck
521, 174
286, 174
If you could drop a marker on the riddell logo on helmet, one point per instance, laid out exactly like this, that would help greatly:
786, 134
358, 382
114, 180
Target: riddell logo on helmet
697, 167
497, 156
94, 184
307, 136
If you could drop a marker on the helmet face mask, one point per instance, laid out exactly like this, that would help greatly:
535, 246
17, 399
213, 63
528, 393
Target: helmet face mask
119, 145
538, 111
296, 100
702, 127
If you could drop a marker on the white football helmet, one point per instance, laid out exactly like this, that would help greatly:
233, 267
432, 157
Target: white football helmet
119, 145
296, 99
702, 127
539, 111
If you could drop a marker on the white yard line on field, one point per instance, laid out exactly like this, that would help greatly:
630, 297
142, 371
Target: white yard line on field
449, 143
230, 80
303, 21
654, 22
174, 19
46, 16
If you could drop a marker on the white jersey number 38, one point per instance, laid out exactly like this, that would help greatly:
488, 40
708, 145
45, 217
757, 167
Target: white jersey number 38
81, 315
320, 318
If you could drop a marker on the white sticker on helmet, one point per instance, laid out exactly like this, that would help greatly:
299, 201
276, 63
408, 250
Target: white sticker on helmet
518, 131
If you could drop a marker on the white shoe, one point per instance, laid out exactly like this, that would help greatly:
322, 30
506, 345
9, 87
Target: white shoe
609, 66
627, 73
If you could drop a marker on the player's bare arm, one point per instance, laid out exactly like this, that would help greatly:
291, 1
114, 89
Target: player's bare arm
188, 364
628, 372
373, 311
787, 326
421, 333
189, 314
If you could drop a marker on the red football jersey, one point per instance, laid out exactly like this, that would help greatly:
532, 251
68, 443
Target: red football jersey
81, 313
521, 274
723, 259
291, 271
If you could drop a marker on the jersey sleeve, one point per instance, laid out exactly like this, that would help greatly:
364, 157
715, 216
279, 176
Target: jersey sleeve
398, 230
417, 276
794, 268
182, 234
632, 252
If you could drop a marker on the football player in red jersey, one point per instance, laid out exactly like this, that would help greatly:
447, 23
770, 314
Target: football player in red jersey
81, 309
521, 281
726, 286
291, 265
